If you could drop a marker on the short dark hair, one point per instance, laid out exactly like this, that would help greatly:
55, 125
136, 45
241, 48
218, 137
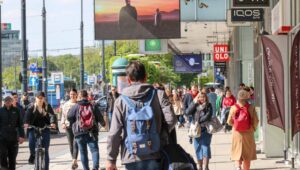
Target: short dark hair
242, 84
14, 94
83, 93
73, 90
136, 71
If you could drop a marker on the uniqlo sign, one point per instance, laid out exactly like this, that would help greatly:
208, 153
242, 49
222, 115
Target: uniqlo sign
221, 53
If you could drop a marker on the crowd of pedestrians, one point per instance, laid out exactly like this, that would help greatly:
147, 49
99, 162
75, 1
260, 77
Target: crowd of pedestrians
142, 120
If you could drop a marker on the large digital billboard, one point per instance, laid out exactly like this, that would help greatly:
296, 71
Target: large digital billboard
188, 63
137, 19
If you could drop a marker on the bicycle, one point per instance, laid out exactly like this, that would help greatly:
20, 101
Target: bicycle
39, 162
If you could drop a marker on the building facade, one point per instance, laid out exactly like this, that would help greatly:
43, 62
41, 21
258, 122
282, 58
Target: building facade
11, 48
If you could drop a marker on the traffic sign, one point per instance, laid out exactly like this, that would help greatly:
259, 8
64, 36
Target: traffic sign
32, 66
33, 81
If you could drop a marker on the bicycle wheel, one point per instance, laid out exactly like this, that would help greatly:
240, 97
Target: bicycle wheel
36, 161
42, 159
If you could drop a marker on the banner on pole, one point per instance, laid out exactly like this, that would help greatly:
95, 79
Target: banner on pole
274, 82
295, 85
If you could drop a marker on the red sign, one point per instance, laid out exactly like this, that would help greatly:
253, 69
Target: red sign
221, 53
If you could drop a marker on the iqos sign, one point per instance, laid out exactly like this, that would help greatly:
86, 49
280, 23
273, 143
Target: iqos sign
247, 14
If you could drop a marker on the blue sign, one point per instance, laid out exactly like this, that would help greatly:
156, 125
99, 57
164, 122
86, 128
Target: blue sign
188, 63
206, 10
85, 77
33, 81
37, 70
32, 66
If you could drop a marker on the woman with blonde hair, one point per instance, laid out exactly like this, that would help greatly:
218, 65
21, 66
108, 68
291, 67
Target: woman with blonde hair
177, 105
243, 118
66, 125
40, 114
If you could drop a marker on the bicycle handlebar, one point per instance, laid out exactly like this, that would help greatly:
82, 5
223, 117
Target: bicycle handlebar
39, 128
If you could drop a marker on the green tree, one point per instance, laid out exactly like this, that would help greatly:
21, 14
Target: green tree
11, 77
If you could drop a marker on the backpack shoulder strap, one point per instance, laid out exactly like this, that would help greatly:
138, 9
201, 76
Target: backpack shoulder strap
151, 96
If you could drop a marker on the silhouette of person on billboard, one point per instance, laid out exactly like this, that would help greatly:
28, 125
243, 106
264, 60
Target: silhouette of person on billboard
157, 18
128, 19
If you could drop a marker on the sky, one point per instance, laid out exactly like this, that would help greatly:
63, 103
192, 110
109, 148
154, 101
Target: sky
63, 24
108, 9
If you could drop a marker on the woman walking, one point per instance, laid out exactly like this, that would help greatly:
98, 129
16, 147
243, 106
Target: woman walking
244, 120
228, 101
66, 125
177, 105
201, 110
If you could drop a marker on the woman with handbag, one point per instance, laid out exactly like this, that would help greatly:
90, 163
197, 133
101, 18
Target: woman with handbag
201, 110
244, 120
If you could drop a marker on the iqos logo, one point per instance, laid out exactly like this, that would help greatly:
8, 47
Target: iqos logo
247, 13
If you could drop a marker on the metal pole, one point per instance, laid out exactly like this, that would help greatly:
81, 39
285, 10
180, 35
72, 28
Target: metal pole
44, 52
24, 58
16, 88
81, 50
103, 66
115, 48
0, 57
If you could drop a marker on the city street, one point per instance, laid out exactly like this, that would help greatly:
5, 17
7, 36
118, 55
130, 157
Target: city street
221, 144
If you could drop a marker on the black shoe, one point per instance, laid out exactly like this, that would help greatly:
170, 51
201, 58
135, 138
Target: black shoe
191, 140
31, 160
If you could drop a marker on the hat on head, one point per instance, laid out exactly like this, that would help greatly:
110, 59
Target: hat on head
40, 94
243, 95
8, 99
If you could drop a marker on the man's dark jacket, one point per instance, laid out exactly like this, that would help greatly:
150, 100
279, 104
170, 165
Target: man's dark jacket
11, 124
111, 101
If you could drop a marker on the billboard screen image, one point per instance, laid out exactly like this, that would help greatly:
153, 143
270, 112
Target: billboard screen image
137, 19
188, 63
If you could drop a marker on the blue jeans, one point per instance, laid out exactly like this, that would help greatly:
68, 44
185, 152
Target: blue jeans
45, 144
86, 140
144, 165
109, 118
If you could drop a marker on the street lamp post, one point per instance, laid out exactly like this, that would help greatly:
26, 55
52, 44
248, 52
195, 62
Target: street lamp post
103, 67
0, 55
81, 50
24, 58
44, 51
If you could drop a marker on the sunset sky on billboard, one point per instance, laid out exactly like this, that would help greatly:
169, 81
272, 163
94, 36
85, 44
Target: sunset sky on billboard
108, 10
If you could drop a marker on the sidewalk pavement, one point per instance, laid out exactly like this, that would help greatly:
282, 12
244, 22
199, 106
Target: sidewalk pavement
221, 145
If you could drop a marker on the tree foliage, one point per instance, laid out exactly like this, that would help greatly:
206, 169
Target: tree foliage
159, 67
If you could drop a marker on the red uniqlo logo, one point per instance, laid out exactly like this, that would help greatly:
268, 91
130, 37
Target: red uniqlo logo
221, 53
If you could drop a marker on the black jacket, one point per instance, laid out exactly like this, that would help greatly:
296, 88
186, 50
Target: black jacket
35, 118
73, 118
200, 115
11, 124
111, 102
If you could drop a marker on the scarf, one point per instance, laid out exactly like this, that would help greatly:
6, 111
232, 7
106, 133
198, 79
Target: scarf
194, 95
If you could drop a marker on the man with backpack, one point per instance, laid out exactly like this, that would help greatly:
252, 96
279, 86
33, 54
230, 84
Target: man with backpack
138, 121
84, 119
